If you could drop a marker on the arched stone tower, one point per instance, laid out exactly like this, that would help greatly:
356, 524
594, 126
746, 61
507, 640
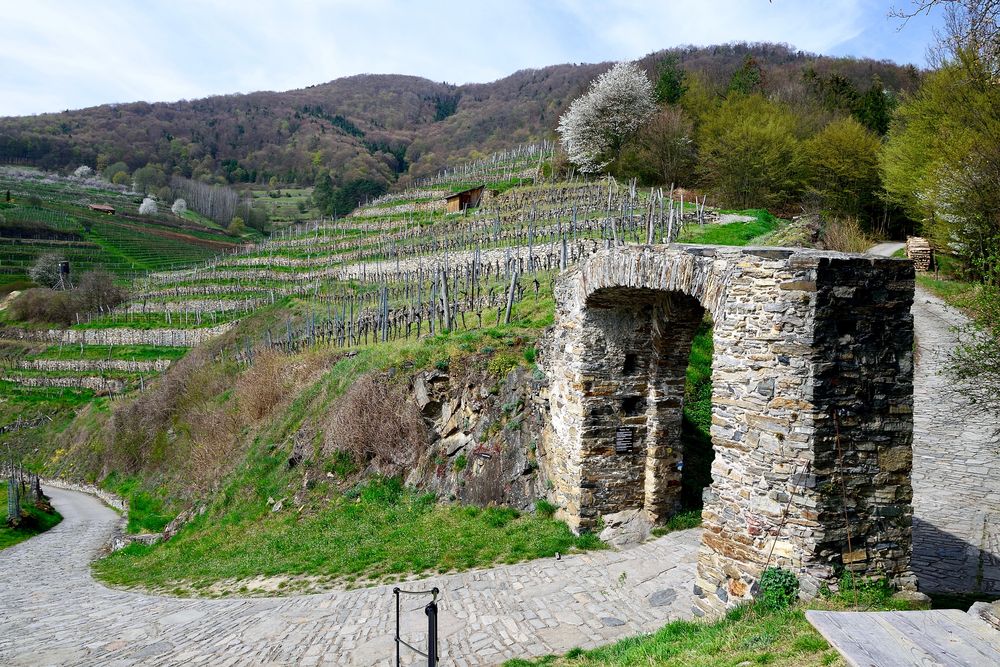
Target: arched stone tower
811, 405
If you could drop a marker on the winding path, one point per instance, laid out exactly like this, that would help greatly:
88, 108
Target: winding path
956, 462
53, 613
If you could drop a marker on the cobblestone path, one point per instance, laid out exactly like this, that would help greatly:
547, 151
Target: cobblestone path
53, 613
956, 463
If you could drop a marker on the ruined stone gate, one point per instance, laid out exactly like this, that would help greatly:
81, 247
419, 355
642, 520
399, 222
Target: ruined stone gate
811, 405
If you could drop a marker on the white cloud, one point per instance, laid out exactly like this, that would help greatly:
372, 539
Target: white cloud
68, 54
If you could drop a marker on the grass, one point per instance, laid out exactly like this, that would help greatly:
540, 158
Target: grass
148, 511
117, 352
380, 531
34, 520
747, 635
683, 520
733, 233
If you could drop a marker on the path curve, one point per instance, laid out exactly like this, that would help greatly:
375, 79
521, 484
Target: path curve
956, 462
52, 612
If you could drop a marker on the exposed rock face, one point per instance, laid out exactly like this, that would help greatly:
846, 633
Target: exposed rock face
811, 417
485, 437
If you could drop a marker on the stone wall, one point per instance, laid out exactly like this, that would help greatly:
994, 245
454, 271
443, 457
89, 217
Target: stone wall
119, 335
812, 403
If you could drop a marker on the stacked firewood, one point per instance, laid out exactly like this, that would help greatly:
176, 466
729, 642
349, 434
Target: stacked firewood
919, 250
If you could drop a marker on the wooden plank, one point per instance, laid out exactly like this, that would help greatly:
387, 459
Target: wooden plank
944, 637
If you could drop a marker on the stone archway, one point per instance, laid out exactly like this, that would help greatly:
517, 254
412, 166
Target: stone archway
811, 403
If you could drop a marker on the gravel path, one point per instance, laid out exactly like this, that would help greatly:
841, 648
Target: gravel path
956, 462
53, 613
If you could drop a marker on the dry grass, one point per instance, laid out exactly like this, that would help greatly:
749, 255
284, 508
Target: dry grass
263, 386
378, 424
846, 235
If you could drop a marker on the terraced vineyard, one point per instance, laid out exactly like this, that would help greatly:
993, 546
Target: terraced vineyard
45, 213
399, 268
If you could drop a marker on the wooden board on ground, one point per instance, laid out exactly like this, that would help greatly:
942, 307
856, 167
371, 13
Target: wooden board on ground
945, 637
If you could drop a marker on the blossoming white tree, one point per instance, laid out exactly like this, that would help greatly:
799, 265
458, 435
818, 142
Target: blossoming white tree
179, 208
83, 171
148, 206
598, 123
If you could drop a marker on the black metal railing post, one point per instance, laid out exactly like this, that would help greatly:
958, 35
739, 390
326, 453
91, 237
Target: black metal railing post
432, 630
431, 610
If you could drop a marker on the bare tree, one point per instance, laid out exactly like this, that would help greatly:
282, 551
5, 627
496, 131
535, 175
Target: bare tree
215, 202
968, 25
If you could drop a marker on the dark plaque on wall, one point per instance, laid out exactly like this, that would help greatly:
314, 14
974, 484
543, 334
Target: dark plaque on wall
624, 436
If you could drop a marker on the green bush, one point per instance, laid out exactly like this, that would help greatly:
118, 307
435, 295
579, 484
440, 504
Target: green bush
461, 463
501, 364
779, 589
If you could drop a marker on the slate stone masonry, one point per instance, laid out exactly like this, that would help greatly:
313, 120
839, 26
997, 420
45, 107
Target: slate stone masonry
811, 405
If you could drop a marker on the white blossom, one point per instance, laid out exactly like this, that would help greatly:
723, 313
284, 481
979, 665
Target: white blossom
83, 171
148, 206
596, 125
179, 208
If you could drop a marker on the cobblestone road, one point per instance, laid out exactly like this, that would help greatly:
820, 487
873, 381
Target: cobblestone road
53, 613
956, 463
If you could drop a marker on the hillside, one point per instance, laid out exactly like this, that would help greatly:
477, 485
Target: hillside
373, 127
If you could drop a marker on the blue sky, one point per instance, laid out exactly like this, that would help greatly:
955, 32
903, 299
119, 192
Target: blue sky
68, 54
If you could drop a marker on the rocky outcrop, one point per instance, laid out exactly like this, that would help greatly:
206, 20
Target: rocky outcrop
485, 436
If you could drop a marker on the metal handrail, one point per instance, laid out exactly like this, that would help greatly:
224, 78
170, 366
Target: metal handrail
432, 638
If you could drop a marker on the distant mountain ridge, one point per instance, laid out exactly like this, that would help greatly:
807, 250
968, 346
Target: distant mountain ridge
374, 127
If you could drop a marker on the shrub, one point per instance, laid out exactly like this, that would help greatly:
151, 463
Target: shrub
45, 306
262, 386
501, 364
846, 235
779, 588
377, 423
42, 305
97, 290
461, 462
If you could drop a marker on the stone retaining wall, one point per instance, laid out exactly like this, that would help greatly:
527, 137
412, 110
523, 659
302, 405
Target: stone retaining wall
119, 335
99, 384
99, 365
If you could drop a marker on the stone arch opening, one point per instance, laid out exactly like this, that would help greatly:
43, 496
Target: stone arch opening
633, 402
811, 404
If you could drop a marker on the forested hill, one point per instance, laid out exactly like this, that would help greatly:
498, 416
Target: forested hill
377, 127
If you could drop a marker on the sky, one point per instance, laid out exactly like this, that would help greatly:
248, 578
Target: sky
70, 54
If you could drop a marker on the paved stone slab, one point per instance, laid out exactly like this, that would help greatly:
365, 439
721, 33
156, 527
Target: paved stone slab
53, 613
909, 638
956, 462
